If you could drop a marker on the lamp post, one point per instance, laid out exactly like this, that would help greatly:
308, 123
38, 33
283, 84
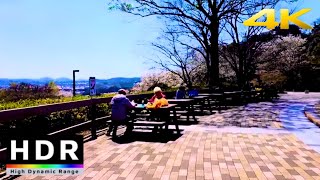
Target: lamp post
74, 81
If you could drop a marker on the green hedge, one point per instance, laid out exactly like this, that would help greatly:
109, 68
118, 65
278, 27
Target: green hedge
55, 121
37, 102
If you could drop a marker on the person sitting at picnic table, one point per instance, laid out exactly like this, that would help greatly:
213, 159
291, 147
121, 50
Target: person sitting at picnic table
181, 93
158, 100
120, 105
192, 92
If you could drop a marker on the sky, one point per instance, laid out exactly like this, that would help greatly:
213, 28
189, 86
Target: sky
50, 38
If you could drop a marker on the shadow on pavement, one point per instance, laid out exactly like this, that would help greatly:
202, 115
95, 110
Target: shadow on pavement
147, 137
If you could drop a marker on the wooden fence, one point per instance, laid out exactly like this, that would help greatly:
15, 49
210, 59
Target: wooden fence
43, 110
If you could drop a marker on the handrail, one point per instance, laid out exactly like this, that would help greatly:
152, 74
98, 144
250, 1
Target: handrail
20, 113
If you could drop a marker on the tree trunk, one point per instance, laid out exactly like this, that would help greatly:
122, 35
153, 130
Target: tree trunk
240, 76
189, 86
208, 64
214, 53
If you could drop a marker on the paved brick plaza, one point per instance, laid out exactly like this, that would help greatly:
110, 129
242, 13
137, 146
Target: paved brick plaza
261, 115
201, 155
208, 151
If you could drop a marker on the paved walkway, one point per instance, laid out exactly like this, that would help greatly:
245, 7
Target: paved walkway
284, 114
261, 115
275, 147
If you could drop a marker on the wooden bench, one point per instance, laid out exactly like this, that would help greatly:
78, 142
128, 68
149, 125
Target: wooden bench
142, 115
157, 125
177, 116
182, 112
147, 116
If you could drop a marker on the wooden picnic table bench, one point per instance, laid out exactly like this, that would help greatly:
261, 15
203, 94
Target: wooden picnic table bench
250, 95
185, 103
233, 97
216, 97
158, 126
232, 93
164, 116
200, 101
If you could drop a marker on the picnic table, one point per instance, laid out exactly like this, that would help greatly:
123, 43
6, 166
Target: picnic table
201, 100
217, 97
250, 95
233, 97
211, 94
163, 114
232, 93
185, 103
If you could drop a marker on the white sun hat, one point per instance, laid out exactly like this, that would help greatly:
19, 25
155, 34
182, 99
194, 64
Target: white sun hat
157, 89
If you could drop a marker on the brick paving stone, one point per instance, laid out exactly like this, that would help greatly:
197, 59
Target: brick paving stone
201, 155
262, 115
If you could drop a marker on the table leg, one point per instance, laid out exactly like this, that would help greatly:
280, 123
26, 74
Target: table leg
202, 103
188, 112
192, 111
167, 120
175, 120
209, 105
133, 115
222, 99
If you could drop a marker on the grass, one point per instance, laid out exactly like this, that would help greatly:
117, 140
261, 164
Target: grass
37, 102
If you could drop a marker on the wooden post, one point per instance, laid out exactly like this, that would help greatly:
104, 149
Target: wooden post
175, 119
3, 155
93, 121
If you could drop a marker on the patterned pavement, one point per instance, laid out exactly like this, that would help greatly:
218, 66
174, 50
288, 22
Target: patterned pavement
265, 147
201, 155
261, 115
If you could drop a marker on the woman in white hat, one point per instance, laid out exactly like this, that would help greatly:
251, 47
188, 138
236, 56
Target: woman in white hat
158, 100
157, 94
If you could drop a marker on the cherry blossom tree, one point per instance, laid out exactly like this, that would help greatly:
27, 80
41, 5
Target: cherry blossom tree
285, 56
162, 79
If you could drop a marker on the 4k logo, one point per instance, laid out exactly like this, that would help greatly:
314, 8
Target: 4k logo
285, 16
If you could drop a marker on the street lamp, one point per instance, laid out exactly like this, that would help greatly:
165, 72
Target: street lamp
74, 81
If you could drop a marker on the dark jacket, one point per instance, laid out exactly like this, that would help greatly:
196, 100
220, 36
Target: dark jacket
180, 94
120, 105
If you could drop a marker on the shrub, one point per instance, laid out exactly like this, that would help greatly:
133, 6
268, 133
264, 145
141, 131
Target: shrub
23, 91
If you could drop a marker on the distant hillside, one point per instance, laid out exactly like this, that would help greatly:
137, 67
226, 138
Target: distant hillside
62, 79
120, 82
103, 85
113, 84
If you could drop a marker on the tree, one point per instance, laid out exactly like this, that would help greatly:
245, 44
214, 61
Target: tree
53, 89
312, 73
313, 45
242, 43
199, 21
178, 58
24, 91
240, 55
286, 56
163, 80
